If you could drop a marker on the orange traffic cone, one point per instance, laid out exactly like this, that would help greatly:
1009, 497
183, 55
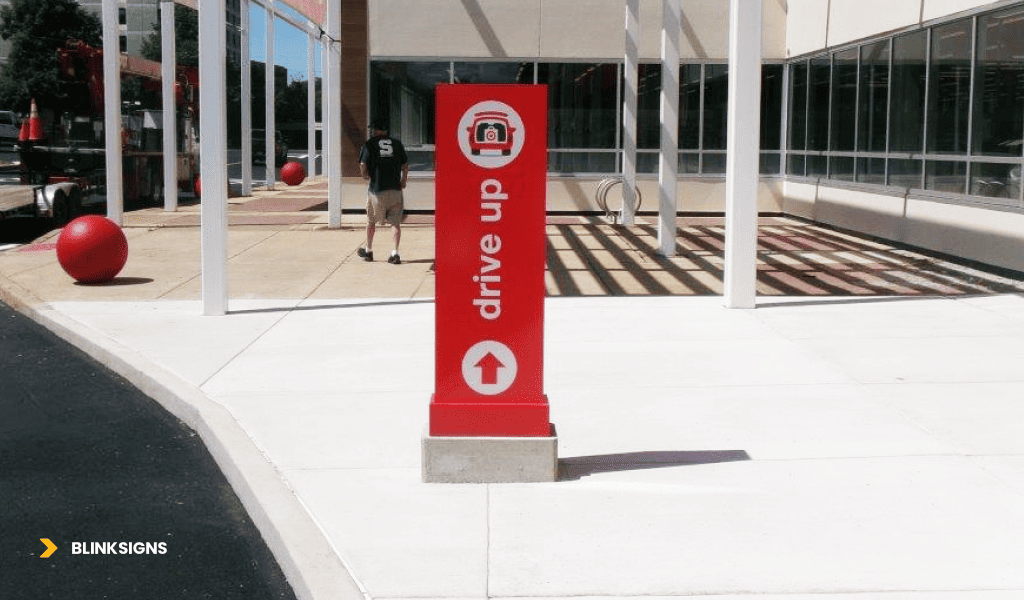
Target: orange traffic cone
35, 125
23, 134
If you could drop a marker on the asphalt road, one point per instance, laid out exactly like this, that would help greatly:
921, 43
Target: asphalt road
87, 459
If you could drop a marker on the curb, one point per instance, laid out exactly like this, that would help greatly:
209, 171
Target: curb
310, 563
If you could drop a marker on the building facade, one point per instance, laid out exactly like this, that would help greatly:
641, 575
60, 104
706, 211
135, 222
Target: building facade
898, 118
138, 19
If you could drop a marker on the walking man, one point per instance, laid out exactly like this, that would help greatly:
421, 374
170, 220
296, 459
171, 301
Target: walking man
382, 161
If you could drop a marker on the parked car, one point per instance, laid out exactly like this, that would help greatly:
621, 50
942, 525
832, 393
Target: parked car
9, 127
259, 147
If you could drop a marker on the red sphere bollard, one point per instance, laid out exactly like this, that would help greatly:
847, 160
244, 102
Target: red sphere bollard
92, 249
292, 173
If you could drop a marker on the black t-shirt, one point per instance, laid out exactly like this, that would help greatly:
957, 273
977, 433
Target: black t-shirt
384, 157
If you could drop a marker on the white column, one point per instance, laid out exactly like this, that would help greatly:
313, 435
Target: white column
246, 77
332, 115
668, 168
743, 144
112, 111
311, 105
168, 63
271, 161
213, 148
629, 112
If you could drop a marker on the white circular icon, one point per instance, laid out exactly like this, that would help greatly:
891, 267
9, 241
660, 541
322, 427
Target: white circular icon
489, 367
491, 134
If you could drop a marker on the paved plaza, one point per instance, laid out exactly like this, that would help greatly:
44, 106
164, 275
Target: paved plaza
855, 435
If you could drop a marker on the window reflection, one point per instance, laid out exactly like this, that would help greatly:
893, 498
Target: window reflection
949, 92
844, 103
648, 124
716, 106
999, 84
946, 176
905, 173
771, 108
493, 72
817, 104
403, 93
908, 79
995, 180
874, 97
798, 106
871, 170
689, 107
582, 104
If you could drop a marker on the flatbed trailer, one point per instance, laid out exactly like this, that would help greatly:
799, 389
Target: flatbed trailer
60, 201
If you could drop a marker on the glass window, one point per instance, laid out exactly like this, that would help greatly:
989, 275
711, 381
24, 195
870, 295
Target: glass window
582, 104
713, 163
946, 176
817, 166
949, 91
771, 107
493, 72
871, 170
817, 104
689, 163
403, 93
797, 106
771, 163
716, 106
995, 180
648, 121
582, 162
905, 173
908, 79
874, 97
647, 162
689, 107
844, 101
999, 84
841, 168
796, 165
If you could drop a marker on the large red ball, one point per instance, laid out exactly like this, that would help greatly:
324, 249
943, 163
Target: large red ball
292, 173
92, 249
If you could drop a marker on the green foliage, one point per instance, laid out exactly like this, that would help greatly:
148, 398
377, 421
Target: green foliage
36, 29
186, 38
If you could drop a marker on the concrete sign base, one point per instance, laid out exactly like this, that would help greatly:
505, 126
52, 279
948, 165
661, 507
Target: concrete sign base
490, 459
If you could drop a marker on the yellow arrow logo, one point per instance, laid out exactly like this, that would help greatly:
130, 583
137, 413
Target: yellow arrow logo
50, 548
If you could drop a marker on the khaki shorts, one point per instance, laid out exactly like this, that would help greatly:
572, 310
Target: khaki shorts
384, 207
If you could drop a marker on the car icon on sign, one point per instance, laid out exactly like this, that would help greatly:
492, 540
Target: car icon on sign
491, 133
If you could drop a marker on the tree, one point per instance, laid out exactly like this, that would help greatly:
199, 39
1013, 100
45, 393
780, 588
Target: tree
186, 38
36, 29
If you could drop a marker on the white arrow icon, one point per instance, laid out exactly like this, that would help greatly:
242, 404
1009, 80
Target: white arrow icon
489, 367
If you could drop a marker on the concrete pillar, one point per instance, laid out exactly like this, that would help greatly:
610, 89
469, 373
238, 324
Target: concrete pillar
311, 105
629, 112
213, 149
168, 63
668, 168
271, 123
246, 83
743, 160
332, 115
112, 110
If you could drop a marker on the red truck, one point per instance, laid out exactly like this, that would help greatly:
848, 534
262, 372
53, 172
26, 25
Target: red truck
71, 153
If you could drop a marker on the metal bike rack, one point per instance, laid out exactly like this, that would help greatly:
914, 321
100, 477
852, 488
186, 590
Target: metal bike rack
602, 197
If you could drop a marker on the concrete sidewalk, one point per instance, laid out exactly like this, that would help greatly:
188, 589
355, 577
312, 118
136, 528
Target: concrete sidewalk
855, 434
